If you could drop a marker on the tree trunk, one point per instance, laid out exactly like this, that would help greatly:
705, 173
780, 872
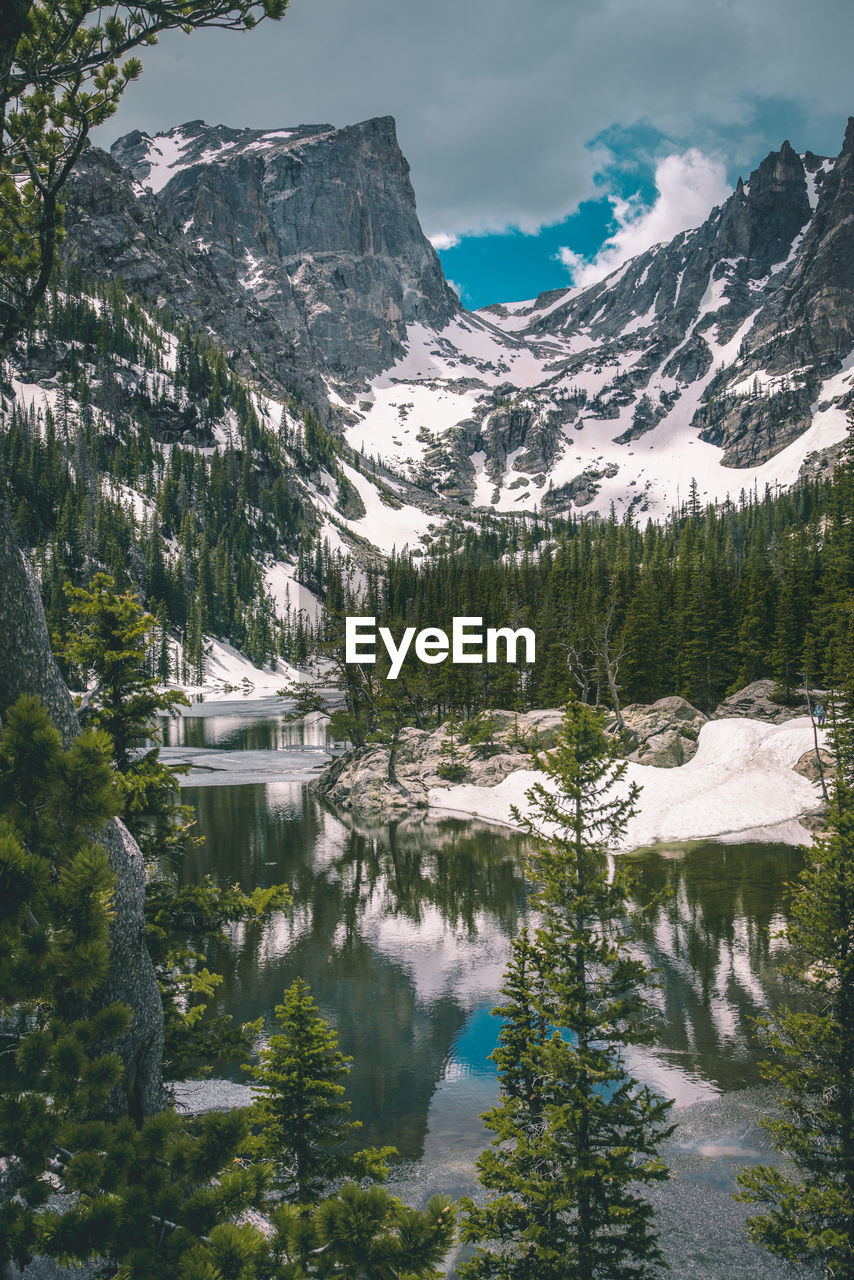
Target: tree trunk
27, 666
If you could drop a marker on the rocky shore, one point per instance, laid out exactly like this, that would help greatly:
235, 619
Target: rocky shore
393, 779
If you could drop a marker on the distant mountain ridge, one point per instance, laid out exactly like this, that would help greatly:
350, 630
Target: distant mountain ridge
723, 355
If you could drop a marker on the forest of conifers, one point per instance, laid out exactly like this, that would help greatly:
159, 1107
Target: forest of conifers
703, 603
698, 606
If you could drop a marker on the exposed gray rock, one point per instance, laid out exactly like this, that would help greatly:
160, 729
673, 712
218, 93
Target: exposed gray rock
755, 701
373, 779
318, 224
751, 429
27, 666
665, 733
580, 491
808, 765
647, 415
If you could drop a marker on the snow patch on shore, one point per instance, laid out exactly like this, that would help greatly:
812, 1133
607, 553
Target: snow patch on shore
741, 779
227, 669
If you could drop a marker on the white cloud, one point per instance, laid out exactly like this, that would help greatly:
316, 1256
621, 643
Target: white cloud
457, 288
688, 187
496, 106
441, 240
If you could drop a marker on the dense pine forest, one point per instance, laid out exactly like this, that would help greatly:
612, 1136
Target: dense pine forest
151, 458
142, 453
699, 606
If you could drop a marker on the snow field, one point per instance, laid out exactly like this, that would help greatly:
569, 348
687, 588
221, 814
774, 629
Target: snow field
741, 779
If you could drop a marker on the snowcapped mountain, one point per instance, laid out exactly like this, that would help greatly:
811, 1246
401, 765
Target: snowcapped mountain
725, 356
317, 225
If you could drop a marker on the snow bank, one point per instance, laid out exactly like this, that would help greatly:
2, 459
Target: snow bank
741, 779
226, 669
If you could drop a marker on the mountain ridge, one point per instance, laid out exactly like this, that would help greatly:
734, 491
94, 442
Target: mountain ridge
710, 355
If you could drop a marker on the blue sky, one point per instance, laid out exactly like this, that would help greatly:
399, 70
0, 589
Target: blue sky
533, 133
512, 265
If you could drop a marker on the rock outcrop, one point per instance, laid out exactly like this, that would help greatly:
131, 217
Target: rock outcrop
379, 779
663, 735
27, 666
756, 701
300, 249
666, 733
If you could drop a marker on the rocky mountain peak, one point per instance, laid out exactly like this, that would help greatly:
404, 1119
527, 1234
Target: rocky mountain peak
761, 219
316, 225
706, 357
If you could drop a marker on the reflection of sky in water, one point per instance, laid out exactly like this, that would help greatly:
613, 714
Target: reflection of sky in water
403, 931
242, 726
471, 1046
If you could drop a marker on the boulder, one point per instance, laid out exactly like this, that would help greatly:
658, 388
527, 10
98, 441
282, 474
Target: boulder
664, 750
359, 780
755, 701
664, 734
807, 766
373, 780
542, 725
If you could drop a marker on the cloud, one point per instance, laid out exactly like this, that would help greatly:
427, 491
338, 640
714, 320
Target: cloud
688, 186
441, 240
496, 104
458, 289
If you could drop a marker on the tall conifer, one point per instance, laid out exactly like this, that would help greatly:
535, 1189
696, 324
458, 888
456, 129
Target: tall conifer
576, 1137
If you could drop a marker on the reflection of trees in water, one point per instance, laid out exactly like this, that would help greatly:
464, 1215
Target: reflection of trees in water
460, 871
362, 900
712, 939
377, 908
235, 733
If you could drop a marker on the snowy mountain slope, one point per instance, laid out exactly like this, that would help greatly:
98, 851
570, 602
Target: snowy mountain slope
225, 507
724, 356
316, 224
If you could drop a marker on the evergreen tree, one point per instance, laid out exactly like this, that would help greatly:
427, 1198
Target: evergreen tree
452, 766
300, 1108
63, 69
109, 643
139, 1198
576, 1136
808, 1216
364, 1233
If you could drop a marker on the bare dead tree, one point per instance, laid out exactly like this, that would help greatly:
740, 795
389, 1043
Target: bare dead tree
610, 652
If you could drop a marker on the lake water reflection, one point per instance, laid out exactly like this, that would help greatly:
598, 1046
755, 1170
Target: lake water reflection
403, 929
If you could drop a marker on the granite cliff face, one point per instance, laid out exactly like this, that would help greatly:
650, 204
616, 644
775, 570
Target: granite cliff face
721, 357
317, 225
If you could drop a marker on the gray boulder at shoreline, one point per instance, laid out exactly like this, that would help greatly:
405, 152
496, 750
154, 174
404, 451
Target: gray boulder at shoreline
379, 778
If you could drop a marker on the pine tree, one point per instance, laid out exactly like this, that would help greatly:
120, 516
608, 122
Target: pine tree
139, 1197
300, 1106
364, 1233
576, 1136
109, 644
452, 766
808, 1216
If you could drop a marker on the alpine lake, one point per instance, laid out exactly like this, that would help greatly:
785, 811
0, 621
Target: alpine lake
402, 930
